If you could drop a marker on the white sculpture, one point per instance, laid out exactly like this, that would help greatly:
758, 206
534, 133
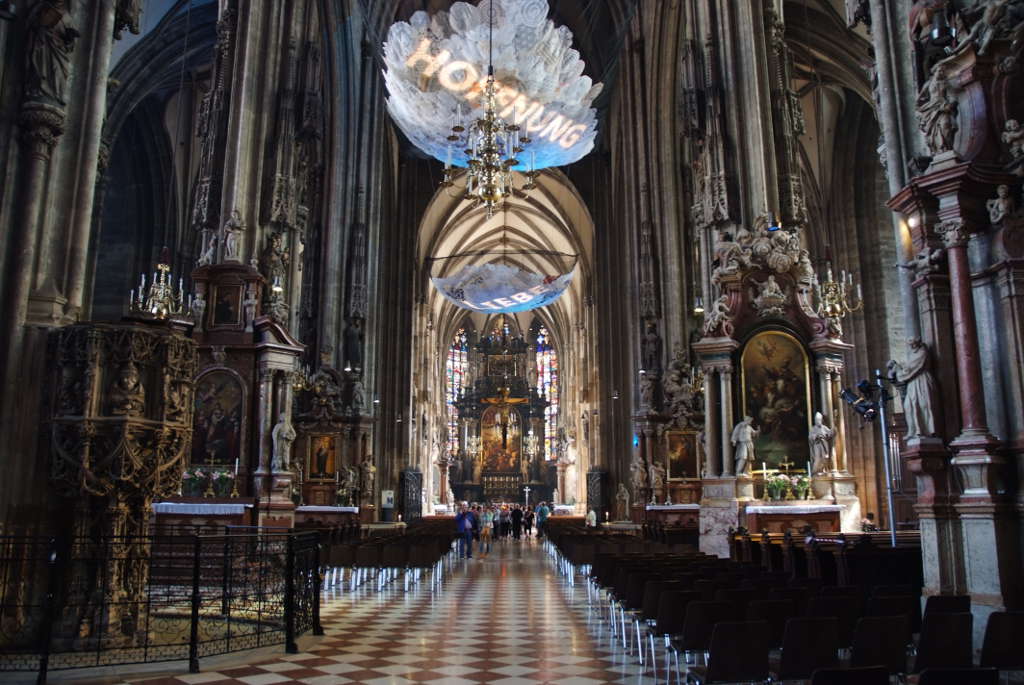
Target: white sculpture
282, 438
233, 228
1002, 205
919, 401
622, 497
638, 477
209, 248
820, 438
657, 479
742, 439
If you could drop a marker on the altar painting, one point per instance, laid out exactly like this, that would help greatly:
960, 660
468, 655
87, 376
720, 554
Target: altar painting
682, 454
217, 422
501, 438
776, 394
323, 462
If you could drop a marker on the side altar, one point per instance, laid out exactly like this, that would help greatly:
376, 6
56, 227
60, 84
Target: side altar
772, 358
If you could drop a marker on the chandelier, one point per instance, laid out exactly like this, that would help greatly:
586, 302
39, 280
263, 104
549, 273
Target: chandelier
161, 300
837, 299
532, 443
490, 145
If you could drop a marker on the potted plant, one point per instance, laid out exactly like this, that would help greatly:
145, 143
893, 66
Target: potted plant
193, 480
223, 482
776, 486
802, 486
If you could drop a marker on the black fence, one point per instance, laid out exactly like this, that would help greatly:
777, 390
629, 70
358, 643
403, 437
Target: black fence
77, 603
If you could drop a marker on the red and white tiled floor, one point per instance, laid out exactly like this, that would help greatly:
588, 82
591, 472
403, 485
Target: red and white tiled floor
508, 619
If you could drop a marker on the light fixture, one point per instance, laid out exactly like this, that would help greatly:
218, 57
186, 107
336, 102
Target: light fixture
532, 443
698, 305
490, 144
615, 394
276, 286
773, 223
161, 300
836, 299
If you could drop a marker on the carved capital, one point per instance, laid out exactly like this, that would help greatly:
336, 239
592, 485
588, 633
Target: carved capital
41, 126
953, 233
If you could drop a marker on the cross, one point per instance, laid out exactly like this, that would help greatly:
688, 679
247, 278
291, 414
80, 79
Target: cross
527, 491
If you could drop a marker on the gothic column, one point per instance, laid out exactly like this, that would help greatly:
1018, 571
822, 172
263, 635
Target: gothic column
263, 428
712, 453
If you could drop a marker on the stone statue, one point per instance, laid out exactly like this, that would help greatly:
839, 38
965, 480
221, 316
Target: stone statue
651, 349
986, 26
369, 475
770, 288
127, 396
742, 439
1002, 206
729, 256
233, 229
638, 477
1013, 136
820, 438
353, 344
282, 438
208, 244
919, 401
199, 309
50, 39
657, 479
358, 398
622, 499
718, 316
937, 111
274, 260
647, 387
249, 305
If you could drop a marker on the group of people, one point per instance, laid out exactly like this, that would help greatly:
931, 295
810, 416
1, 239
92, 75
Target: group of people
482, 524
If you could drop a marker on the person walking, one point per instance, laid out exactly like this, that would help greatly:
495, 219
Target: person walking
528, 521
517, 522
464, 526
542, 516
506, 521
486, 531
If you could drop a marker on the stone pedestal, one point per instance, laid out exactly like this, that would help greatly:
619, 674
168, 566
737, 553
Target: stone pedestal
636, 513
598, 498
720, 510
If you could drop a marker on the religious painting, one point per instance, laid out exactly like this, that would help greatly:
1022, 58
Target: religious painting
323, 462
217, 422
776, 394
682, 454
501, 437
227, 305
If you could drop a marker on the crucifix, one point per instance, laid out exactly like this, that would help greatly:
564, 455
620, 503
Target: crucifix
527, 491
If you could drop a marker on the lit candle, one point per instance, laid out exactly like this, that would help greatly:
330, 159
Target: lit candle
181, 285
764, 468
236, 467
459, 110
448, 162
533, 160
142, 284
808, 469
859, 296
131, 297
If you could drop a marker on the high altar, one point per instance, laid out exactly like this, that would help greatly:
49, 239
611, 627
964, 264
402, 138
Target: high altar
772, 356
502, 428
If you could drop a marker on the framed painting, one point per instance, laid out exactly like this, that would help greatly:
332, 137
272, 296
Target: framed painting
217, 421
776, 394
323, 457
227, 305
681, 447
500, 437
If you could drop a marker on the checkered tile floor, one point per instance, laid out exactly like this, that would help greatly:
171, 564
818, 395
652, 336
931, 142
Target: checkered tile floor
508, 619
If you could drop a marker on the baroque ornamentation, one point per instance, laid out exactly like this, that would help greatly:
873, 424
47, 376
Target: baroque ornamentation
953, 233
937, 110
768, 298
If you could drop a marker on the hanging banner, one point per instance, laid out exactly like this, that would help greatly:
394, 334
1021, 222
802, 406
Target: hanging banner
491, 288
436, 71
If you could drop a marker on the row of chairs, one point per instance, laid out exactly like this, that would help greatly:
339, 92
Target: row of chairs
680, 599
425, 549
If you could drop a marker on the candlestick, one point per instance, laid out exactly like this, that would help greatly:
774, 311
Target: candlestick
236, 467
808, 469
764, 468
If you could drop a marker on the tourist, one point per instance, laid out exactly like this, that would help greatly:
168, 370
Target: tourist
464, 522
542, 516
517, 522
506, 521
486, 531
528, 521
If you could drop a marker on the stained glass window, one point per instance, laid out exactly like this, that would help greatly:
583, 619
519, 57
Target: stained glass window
456, 368
547, 387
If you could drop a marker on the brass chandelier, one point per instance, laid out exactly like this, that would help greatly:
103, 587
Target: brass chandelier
491, 145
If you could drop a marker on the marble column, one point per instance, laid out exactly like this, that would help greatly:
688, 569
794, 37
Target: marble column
712, 453
728, 420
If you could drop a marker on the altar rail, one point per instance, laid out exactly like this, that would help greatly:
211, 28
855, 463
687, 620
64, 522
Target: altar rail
69, 603
861, 559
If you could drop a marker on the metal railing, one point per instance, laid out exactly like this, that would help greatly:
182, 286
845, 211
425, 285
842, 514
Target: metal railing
78, 602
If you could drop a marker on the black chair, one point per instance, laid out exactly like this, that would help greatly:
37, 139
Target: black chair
846, 609
1001, 647
881, 640
698, 625
867, 675
809, 644
776, 612
894, 590
738, 597
948, 604
945, 642
959, 676
738, 653
897, 605
672, 608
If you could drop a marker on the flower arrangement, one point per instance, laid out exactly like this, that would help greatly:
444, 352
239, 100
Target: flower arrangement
223, 482
198, 481
193, 481
776, 486
801, 486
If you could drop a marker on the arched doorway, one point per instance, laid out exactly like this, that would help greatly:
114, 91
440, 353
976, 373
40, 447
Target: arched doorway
533, 231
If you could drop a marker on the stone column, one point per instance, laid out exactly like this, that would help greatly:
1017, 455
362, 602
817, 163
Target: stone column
265, 392
728, 419
712, 449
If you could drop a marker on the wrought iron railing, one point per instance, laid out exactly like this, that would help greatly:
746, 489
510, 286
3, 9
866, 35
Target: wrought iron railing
76, 603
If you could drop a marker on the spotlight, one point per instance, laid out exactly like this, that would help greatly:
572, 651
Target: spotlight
698, 305
864, 404
277, 287
773, 224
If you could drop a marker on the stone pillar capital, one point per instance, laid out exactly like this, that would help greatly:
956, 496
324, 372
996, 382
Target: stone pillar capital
953, 233
41, 125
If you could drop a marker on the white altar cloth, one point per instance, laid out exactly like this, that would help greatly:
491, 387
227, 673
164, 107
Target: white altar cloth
200, 508
793, 508
675, 507
562, 509
312, 509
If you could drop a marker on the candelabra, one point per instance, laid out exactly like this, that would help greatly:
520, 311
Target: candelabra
161, 300
836, 299
473, 445
491, 145
532, 443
